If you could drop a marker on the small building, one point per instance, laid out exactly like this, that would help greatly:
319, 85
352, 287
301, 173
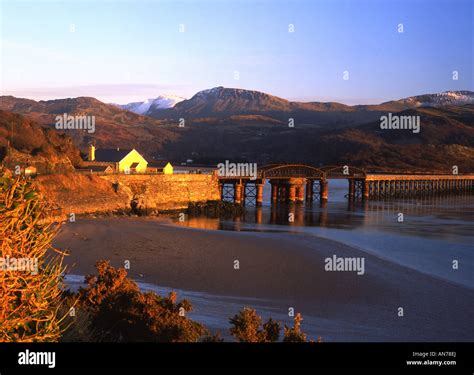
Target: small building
124, 160
164, 167
168, 168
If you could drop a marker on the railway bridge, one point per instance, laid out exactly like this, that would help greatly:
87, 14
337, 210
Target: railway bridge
305, 183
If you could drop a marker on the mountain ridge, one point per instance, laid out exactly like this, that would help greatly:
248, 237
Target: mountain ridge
221, 101
224, 102
338, 135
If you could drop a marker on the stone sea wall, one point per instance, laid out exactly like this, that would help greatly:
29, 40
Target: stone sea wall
85, 194
166, 191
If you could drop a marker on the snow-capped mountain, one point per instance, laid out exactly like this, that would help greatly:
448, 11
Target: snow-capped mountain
161, 102
441, 99
220, 102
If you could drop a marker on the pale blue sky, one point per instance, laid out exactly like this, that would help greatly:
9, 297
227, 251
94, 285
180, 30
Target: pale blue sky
124, 51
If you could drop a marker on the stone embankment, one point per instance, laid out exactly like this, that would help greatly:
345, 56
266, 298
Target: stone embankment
88, 194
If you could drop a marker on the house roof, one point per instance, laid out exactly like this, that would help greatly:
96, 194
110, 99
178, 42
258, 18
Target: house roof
159, 164
95, 168
111, 154
99, 168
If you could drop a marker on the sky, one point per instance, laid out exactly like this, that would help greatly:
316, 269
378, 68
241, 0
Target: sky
349, 51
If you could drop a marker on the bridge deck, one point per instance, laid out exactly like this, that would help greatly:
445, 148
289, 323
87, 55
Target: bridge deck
368, 177
410, 177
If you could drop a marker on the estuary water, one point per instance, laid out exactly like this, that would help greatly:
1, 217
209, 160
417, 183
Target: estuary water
434, 234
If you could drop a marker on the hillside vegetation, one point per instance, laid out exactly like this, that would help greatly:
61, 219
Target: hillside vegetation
31, 144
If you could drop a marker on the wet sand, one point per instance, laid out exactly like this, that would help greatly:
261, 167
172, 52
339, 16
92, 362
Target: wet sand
285, 270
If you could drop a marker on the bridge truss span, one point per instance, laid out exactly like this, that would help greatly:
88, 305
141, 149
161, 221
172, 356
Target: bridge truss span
300, 182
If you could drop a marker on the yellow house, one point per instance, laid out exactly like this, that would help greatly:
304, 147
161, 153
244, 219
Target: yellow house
168, 168
164, 167
124, 160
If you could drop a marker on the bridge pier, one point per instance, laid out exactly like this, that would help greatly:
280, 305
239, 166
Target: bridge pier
238, 192
323, 192
295, 189
283, 191
259, 198
291, 193
221, 191
300, 193
309, 191
351, 189
274, 191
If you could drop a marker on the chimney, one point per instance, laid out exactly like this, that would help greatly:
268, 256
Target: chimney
91, 152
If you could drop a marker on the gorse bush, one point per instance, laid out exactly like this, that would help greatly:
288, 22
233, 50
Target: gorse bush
120, 312
247, 327
30, 269
294, 334
117, 311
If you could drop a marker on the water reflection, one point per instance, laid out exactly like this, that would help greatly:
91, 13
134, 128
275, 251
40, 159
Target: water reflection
348, 215
435, 215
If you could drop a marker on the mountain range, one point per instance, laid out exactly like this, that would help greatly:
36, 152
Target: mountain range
224, 102
228, 123
251, 106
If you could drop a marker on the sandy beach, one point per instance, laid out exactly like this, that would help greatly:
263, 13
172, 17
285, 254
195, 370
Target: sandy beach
282, 270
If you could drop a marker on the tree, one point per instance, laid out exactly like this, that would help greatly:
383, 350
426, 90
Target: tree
30, 268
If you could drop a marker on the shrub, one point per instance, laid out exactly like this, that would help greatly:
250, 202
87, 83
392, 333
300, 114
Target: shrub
246, 327
294, 334
213, 338
29, 301
119, 311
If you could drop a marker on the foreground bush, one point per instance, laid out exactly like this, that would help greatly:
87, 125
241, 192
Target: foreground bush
120, 312
31, 292
294, 334
112, 308
247, 327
